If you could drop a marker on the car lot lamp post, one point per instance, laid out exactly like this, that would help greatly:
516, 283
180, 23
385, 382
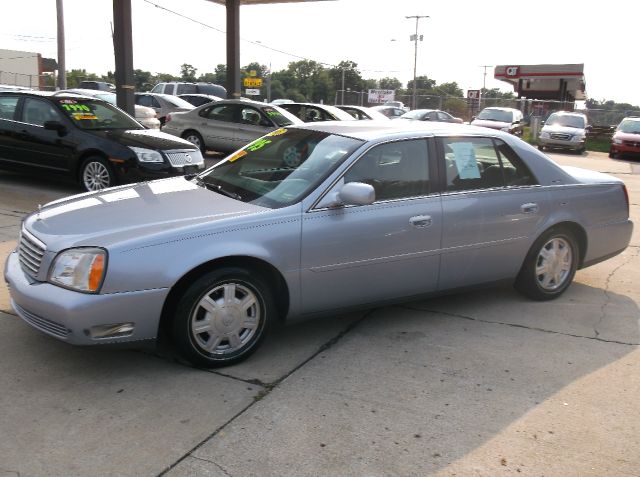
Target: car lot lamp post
415, 39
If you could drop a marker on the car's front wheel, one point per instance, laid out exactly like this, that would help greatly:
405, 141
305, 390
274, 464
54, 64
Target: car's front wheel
540, 147
223, 317
96, 174
195, 138
550, 266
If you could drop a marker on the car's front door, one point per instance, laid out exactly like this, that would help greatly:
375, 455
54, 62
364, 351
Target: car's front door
251, 124
491, 205
370, 253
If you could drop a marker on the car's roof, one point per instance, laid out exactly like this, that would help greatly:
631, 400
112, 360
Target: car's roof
47, 94
631, 118
502, 109
369, 130
567, 113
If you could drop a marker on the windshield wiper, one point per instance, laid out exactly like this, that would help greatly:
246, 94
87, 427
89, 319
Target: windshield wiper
217, 188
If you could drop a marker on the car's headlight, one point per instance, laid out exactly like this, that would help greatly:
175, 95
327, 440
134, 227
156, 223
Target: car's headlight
147, 155
617, 141
80, 269
578, 138
545, 135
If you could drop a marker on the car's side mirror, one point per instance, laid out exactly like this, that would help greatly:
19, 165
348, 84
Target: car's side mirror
473, 118
351, 193
357, 193
56, 126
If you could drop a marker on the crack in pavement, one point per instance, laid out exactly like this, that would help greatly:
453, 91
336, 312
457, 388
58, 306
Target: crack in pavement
214, 463
268, 388
607, 285
515, 325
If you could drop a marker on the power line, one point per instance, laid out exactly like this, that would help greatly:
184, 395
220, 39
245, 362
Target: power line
253, 42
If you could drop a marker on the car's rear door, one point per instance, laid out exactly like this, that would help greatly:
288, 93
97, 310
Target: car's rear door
218, 126
389, 249
491, 206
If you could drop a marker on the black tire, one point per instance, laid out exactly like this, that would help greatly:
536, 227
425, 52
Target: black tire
195, 138
612, 155
540, 147
96, 174
531, 282
223, 327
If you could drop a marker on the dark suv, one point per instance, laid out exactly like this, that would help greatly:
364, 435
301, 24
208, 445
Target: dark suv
88, 139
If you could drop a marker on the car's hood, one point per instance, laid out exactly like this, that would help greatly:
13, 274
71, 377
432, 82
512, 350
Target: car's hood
149, 138
627, 136
133, 213
557, 129
490, 124
144, 112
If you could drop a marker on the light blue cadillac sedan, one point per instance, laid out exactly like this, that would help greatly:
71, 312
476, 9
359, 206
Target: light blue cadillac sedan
309, 220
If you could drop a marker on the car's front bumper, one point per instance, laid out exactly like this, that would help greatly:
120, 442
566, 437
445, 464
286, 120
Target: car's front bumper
74, 317
133, 172
562, 143
625, 149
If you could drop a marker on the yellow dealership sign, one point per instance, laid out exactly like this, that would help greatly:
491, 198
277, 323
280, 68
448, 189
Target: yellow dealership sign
252, 82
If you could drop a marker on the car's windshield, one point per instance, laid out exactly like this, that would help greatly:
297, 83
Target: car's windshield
280, 168
566, 121
96, 115
496, 115
177, 102
629, 127
280, 118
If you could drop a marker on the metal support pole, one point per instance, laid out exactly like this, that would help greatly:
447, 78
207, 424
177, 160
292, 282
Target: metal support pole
62, 73
233, 49
123, 49
342, 102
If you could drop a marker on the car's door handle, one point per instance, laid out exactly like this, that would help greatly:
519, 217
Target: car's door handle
420, 221
529, 208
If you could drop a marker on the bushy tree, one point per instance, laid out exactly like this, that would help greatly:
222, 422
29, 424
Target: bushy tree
187, 72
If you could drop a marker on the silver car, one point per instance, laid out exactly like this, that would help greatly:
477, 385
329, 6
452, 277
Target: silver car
229, 124
310, 220
564, 130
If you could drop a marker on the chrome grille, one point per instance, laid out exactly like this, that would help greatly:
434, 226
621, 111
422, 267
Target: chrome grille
184, 158
564, 137
30, 253
48, 326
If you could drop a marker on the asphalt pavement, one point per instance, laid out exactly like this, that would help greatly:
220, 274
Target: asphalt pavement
485, 383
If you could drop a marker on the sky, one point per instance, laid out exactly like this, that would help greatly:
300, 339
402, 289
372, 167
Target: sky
459, 37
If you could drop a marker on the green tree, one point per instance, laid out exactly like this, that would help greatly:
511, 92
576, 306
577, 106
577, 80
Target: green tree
423, 83
187, 72
390, 83
74, 77
143, 80
449, 89
221, 74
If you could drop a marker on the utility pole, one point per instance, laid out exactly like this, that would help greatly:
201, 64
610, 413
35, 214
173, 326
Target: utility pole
415, 39
62, 72
484, 83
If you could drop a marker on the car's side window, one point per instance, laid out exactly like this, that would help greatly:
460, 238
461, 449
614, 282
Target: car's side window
473, 163
8, 107
143, 100
38, 112
224, 112
515, 172
250, 116
155, 103
443, 116
395, 170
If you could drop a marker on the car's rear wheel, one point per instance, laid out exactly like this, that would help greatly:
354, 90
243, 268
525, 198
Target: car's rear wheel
223, 317
540, 147
195, 138
550, 265
96, 174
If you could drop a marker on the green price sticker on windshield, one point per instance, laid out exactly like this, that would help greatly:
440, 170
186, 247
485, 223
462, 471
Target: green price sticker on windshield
76, 107
257, 145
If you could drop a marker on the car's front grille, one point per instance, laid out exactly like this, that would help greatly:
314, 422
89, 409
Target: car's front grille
631, 143
564, 137
48, 326
184, 158
30, 253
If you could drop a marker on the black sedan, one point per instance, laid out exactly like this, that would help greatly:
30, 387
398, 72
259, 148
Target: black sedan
90, 140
